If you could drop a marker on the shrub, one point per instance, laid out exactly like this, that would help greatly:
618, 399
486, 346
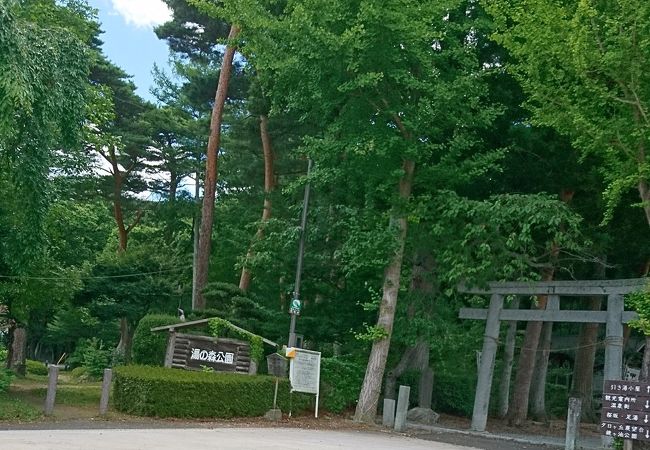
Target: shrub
79, 373
36, 367
5, 379
149, 347
162, 392
340, 383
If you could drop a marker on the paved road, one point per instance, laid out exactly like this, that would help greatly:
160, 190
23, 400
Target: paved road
221, 439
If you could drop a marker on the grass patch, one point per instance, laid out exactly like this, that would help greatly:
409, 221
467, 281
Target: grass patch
14, 409
73, 395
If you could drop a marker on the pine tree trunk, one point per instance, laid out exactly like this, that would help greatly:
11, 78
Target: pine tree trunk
538, 387
269, 185
518, 410
210, 184
508, 359
370, 390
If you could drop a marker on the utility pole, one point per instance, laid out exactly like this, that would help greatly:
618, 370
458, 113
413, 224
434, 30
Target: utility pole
296, 305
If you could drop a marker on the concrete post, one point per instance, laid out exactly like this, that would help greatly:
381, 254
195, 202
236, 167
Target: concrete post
573, 423
388, 418
53, 372
106, 391
402, 408
486, 369
613, 345
614, 338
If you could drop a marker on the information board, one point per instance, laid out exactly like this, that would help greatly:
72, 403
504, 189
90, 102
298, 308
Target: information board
626, 410
304, 371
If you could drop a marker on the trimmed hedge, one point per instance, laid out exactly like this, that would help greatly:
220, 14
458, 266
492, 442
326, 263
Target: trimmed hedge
149, 348
36, 367
162, 392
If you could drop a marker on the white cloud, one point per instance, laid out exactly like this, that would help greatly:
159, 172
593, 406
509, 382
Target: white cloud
142, 13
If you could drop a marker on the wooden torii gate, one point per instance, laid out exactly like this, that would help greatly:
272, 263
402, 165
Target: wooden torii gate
614, 318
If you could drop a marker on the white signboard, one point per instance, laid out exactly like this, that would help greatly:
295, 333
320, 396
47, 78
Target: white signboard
304, 371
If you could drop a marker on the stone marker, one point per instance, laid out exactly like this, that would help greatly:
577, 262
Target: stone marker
388, 418
106, 390
402, 408
274, 415
53, 371
573, 423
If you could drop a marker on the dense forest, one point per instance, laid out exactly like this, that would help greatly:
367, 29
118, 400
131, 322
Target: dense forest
441, 143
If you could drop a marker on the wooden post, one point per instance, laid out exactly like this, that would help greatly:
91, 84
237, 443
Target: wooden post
388, 418
573, 423
106, 390
171, 343
50, 398
488, 355
402, 408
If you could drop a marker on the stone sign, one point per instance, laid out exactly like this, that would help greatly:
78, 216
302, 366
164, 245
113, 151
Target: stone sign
626, 410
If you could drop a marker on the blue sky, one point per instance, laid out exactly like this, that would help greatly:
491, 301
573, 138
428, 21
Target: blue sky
129, 40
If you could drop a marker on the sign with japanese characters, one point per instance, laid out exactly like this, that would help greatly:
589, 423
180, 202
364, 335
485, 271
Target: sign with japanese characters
304, 372
626, 410
223, 355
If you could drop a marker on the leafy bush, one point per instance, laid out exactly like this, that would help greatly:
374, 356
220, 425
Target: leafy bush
149, 347
91, 354
36, 367
3, 354
340, 383
162, 392
79, 373
5, 379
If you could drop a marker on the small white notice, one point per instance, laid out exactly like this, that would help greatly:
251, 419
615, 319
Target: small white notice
304, 372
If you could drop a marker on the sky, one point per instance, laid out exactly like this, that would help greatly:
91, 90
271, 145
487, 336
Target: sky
129, 40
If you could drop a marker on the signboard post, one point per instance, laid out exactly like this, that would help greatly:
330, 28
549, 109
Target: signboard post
626, 410
304, 372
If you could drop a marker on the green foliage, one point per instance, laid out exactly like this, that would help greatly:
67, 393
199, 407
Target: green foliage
222, 328
149, 347
91, 354
640, 302
79, 373
96, 358
5, 379
371, 333
161, 392
585, 74
341, 381
36, 367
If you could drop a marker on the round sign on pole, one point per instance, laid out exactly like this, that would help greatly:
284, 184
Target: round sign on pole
295, 307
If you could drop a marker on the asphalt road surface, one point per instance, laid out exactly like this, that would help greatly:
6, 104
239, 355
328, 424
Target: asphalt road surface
220, 439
